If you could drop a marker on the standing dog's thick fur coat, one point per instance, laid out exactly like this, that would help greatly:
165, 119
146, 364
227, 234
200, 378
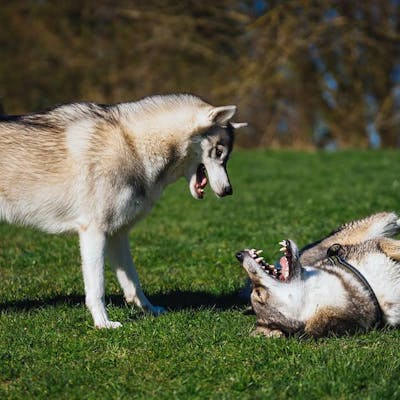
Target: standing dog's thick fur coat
97, 170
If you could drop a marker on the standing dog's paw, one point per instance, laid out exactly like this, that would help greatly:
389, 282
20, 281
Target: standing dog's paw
109, 325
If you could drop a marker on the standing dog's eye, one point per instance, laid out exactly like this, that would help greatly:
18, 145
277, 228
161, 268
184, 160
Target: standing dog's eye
218, 153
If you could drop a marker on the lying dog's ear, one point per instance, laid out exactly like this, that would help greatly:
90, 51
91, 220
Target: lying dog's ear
221, 115
259, 294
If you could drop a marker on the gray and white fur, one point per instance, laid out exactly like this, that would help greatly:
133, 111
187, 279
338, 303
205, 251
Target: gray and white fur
304, 293
98, 169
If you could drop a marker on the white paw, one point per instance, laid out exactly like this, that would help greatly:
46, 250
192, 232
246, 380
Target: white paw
109, 325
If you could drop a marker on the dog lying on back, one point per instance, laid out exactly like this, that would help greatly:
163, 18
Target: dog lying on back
346, 282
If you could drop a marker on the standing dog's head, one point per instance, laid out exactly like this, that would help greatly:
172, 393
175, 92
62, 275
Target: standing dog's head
211, 151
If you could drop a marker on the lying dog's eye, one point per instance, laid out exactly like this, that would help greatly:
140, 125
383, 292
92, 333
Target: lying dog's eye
218, 153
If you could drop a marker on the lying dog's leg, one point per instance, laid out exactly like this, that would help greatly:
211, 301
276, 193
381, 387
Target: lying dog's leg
92, 244
390, 247
383, 224
121, 260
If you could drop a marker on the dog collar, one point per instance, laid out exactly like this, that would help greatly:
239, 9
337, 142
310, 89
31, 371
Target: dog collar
335, 256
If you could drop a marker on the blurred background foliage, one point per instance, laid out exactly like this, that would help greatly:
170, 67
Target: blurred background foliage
304, 74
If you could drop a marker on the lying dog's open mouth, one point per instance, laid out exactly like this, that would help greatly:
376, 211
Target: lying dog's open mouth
201, 181
282, 270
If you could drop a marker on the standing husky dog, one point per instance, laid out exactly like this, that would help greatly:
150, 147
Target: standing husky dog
358, 287
98, 169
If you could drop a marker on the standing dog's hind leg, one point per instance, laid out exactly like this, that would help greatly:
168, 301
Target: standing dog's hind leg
121, 260
92, 244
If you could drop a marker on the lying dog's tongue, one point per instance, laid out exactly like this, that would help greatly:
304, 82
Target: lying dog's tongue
285, 268
201, 180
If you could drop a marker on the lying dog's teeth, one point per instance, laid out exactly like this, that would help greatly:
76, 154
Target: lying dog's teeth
283, 249
258, 252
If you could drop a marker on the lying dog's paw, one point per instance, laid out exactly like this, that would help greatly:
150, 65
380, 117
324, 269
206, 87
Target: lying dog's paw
392, 225
269, 333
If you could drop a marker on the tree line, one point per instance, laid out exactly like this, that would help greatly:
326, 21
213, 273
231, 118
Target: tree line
304, 73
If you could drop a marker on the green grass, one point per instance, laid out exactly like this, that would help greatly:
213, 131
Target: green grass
185, 252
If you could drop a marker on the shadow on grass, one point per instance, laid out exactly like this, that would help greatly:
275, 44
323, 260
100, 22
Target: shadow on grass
173, 301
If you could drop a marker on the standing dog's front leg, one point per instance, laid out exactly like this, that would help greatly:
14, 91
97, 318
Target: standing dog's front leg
121, 261
92, 244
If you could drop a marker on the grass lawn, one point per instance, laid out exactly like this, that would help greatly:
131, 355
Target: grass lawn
185, 251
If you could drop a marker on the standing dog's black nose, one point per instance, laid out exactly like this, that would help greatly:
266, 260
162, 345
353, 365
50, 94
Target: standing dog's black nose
239, 256
228, 191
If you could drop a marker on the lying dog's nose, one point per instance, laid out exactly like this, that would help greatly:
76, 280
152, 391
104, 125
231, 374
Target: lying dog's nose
228, 191
239, 256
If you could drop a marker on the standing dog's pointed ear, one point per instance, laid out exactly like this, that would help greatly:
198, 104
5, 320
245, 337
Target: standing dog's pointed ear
215, 116
238, 125
221, 115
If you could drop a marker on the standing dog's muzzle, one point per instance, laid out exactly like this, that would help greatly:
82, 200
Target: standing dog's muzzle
227, 191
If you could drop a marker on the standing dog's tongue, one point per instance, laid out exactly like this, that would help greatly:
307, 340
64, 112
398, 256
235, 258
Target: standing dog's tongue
201, 180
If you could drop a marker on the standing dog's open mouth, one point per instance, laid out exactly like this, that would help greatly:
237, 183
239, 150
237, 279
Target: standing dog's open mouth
201, 181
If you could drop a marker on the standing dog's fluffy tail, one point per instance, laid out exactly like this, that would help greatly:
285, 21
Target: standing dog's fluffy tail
383, 224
